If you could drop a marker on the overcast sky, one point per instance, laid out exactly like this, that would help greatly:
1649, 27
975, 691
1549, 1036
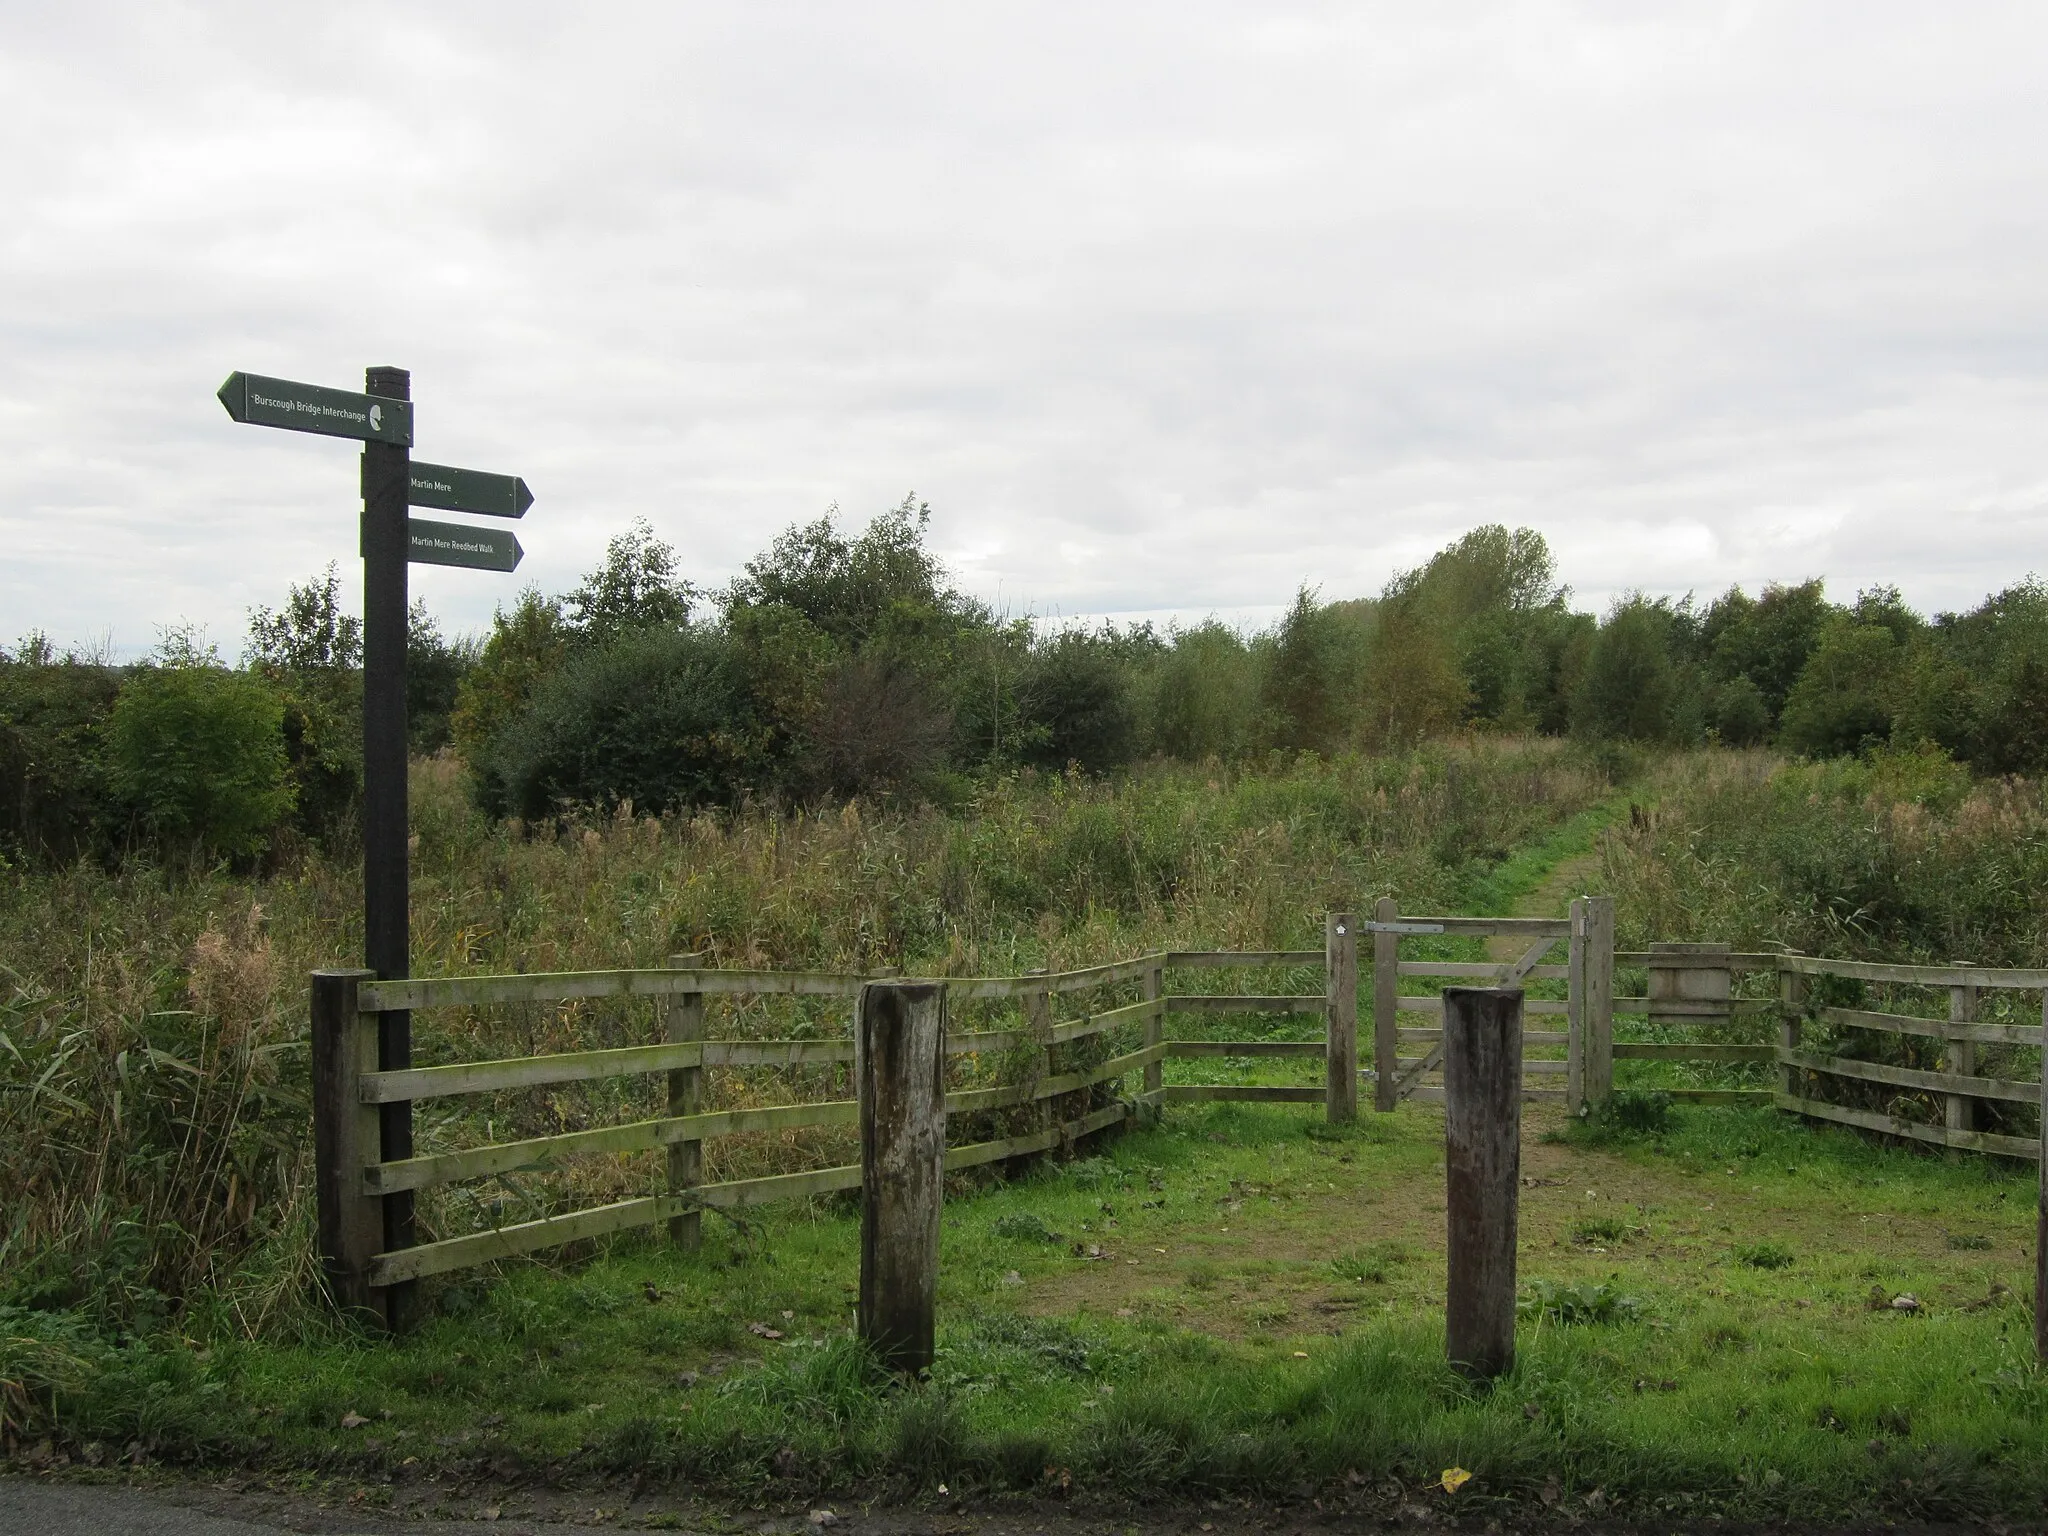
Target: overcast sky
1163, 308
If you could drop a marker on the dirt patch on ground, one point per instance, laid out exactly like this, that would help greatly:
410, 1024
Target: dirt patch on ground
1317, 1244
338, 1508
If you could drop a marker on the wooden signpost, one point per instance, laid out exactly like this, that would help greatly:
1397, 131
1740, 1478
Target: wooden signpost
381, 418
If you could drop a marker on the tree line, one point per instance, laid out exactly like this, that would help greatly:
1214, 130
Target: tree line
843, 663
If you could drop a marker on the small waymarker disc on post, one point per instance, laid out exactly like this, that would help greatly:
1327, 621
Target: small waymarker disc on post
479, 549
468, 490
267, 402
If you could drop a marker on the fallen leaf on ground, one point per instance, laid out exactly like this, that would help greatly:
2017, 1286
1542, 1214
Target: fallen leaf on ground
1455, 1478
763, 1331
353, 1420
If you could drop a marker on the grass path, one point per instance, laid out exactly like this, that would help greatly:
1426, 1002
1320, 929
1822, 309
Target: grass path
1543, 879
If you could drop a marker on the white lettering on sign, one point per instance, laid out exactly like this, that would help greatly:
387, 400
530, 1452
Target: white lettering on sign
310, 408
442, 487
453, 546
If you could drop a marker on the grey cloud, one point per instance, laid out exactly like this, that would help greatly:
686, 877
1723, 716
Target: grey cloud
1164, 308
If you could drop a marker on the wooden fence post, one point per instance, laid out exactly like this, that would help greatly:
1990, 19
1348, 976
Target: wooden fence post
684, 1021
1575, 1010
1482, 1174
1960, 1060
1340, 1017
1038, 1020
2041, 1207
1791, 1022
345, 1139
900, 1064
1386, 993
1599, 998
1155, 1026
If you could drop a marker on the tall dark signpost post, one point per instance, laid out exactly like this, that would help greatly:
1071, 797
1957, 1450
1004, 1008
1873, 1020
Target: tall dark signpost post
387, 884
381, 417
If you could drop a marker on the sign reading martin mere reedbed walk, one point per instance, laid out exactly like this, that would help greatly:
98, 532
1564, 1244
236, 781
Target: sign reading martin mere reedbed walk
481, 549
381, 419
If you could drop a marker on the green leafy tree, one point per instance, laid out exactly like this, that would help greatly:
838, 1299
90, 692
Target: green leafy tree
199, 752
1412, 685
523, 649
635, 586
311, 650
857, 589
1491, 600
1204, 694
1977, 683
1843, 701
1741, 718
1766, 639
434, 669
1630, 685
310, 634
1080, 706
1306, 690
56, 800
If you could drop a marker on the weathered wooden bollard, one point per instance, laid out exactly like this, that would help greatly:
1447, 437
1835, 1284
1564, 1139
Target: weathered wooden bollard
1482, 1174
900, 1077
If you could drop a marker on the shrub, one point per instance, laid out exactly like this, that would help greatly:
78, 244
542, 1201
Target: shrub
659, 718
199, 752
53, 780
1078, 706
1741, 717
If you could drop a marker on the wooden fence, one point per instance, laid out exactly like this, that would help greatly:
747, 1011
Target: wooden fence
360, 1111
363, 1245
1955, 1084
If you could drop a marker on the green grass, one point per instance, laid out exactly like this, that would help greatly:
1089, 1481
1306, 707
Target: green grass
1266, 1318
1238, 1300
1493, 890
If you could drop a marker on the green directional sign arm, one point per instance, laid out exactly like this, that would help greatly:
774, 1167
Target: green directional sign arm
469, 490
460, 544
266, 402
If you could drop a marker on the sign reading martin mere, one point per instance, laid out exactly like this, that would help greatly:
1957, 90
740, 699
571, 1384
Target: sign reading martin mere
266, 402
468, 490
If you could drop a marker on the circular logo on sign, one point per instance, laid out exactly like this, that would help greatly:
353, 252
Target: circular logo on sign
376, 418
